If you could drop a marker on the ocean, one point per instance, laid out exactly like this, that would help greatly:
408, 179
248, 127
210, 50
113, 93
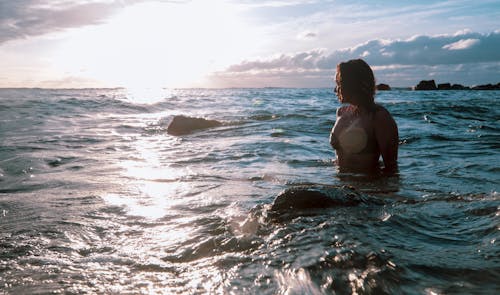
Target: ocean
96, 197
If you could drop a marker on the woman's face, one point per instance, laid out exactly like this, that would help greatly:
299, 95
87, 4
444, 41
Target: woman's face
338, 87
344, 95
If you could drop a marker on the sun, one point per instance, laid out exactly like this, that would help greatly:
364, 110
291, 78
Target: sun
159, 44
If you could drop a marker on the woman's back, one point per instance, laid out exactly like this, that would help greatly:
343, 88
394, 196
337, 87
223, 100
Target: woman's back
363, 131
353, 137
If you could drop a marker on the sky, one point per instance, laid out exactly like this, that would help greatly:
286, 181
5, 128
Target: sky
244, 43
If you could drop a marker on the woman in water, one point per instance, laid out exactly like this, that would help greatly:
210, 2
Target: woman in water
364, 130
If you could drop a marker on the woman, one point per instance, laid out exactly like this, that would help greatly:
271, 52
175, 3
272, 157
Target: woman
364, 130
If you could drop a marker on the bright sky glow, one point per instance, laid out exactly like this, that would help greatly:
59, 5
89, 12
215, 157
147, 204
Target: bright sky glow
240, 43
154, 44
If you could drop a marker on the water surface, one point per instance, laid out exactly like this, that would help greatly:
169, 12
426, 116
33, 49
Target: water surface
96, 197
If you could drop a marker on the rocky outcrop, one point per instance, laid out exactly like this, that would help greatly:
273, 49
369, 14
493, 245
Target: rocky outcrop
459, 87
487, 87
444, 86
181, 125
431, 85
426, 85
383, 87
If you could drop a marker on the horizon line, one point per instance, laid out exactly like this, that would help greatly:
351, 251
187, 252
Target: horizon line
255, 87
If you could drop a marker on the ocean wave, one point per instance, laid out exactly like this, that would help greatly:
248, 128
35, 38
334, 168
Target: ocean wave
92, 187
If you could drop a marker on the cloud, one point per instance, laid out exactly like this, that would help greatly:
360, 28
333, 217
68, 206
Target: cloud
424, 50
307, 35
283, 62
72, 82
274, 4
461, 44
418, 54
419, 50
25, 18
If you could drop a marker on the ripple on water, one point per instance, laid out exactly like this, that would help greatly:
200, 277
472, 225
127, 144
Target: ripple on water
96, 198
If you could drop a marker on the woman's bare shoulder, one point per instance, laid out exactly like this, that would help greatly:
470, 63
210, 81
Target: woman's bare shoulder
342, 110
383, 117
381, 112
379, 108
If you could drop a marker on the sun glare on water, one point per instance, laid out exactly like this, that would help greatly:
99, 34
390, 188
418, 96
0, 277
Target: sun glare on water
154, 45
149, 188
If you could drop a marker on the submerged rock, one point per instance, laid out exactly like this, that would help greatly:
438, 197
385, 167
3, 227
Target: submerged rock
315, 197
182, 125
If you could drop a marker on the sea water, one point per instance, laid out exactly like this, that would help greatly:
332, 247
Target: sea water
96, 196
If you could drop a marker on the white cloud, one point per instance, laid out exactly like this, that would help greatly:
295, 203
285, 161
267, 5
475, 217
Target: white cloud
463, 32
24, 18
307, 35
417, 57
461, 44
27, 18
284, 62
274, 4
418, 50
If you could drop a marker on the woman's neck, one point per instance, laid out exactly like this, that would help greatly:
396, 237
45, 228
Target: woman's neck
363, 109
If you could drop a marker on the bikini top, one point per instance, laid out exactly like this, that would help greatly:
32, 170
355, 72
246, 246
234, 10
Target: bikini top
355, 139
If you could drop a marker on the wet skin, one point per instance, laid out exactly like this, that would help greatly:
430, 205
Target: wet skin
360, 136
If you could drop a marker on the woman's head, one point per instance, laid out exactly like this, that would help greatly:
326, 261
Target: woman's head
355, 83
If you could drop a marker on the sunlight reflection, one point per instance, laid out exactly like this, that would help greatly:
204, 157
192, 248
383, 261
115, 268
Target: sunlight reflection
144, 94
143, 171
134, 207
150, 185
296, 282
171, 235
208, 279
147, 163
148, 199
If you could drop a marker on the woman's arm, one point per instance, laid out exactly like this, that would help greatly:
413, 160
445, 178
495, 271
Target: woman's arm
339, 113
386, 133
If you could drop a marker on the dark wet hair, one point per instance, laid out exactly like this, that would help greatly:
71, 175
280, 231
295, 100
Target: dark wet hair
357, 77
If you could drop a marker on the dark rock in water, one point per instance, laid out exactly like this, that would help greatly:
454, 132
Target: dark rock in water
426, 85
314, 198
459, 87
181, 125
487, 87
444, 86
383, 87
